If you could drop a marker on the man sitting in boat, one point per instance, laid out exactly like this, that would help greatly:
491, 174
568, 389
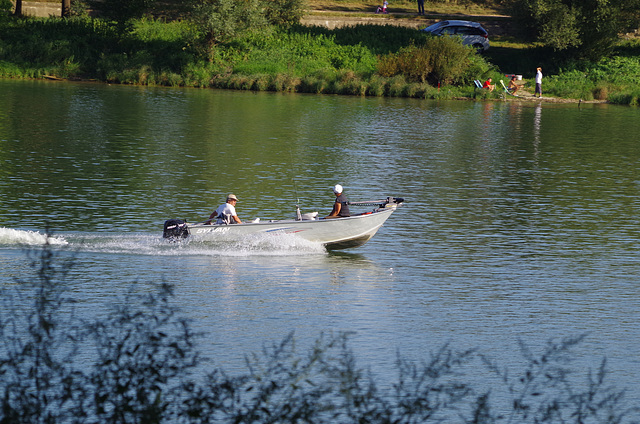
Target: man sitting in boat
341, 206
226, 213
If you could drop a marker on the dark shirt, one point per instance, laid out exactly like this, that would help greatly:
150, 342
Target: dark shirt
344, 209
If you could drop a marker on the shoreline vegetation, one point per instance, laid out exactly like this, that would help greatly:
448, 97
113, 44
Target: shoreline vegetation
363, 60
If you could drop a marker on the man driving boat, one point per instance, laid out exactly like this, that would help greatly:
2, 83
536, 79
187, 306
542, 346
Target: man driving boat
341, 205
226, 213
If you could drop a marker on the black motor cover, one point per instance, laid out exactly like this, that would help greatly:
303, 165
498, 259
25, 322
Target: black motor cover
175, 229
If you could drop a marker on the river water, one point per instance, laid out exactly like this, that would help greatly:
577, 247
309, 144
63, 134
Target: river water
520, 221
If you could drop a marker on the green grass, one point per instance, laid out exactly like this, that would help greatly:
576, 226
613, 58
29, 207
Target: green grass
442, 7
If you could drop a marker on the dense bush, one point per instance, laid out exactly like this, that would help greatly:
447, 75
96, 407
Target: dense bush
607, 79
220, 21
5, 8
284, 12
136, 362
441, 60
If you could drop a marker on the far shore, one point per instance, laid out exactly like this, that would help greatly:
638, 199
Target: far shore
524, 95
501, 25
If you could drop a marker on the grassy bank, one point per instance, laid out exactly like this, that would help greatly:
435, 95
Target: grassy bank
352, 61
299, 59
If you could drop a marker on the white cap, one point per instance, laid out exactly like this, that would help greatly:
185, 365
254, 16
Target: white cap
337, 188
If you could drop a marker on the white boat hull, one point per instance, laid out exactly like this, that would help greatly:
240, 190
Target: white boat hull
333, 233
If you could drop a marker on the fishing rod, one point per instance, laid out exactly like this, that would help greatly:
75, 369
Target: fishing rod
295, 188
381, 203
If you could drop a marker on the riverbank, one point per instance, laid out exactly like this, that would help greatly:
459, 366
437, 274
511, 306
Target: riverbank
525, 95
309, 59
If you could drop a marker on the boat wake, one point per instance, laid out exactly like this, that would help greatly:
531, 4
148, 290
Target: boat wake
19, 238
153, 244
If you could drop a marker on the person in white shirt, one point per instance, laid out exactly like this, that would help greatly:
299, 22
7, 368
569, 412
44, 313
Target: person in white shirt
538, 91
226, 213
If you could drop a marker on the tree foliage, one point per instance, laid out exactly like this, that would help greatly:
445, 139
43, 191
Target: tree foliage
588, 27
222, 20
5, 8
284, 12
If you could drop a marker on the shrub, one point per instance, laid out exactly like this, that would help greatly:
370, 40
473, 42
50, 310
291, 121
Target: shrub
431, 92
220, 21
388, 65
397, 86
6, 6
601, 92
11, 70
38, 381
284, 12
144, 352
377, 86
312, 84
261, 83
628, 97
441, 60
416, 63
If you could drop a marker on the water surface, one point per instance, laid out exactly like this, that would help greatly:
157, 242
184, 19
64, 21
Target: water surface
520, 223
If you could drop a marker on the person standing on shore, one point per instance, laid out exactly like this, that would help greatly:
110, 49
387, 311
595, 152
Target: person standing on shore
420, 7
538, 92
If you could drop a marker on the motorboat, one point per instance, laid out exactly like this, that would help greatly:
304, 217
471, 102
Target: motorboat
333, 233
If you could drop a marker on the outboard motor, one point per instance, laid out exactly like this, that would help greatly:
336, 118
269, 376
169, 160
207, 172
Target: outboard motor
175, 229
392, 201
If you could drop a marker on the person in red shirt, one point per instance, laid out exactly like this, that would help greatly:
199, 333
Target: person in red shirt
487, 84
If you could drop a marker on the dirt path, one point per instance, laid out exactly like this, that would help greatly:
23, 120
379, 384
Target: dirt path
525, 95
495, 24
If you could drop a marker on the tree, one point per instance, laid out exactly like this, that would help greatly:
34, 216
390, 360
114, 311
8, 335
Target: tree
559, 26
589, 28
222, 20
66, 8
603, 21
5, 8
284, 12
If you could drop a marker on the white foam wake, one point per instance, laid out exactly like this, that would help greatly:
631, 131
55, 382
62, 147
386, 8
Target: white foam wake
145, 244
9, 236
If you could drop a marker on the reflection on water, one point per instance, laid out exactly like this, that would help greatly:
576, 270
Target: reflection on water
521, 219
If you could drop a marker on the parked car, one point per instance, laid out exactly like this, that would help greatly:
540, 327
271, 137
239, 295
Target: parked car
472, 33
